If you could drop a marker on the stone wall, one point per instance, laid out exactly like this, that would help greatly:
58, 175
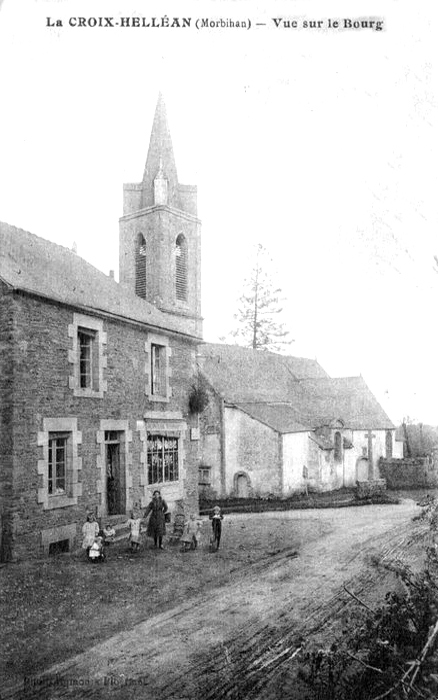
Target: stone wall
6, 422
160, 228
42, 390
368, 489
415, 472
253, 451
212, 442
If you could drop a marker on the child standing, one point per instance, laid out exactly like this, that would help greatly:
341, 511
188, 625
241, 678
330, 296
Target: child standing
216, 523
90, 531
191, 534
134, 524
96, 550
109, 535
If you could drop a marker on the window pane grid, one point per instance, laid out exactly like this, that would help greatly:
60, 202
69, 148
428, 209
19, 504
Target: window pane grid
112, 436
57, 465
162, 459
158, 363
85, 359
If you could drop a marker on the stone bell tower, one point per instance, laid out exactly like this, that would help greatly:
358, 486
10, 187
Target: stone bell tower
160, 233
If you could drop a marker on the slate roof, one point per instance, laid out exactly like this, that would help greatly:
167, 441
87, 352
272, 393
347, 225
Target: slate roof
289, 394
33, 264
348, 398
246, 375
281, 417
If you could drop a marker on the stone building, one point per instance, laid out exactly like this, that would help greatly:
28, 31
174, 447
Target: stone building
278, 425
95, 375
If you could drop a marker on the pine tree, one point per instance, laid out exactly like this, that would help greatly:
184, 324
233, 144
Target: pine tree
259, 308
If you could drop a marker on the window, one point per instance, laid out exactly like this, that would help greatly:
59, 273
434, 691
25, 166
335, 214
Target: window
181, 268
162, 457
204, 476
87, 356
57, 474
87, 359
158, 370
58, 539
59, 547
338, 447
388, 443
59, 465
140, 267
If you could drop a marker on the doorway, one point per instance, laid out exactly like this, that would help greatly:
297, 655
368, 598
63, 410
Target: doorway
115, 481
242, 486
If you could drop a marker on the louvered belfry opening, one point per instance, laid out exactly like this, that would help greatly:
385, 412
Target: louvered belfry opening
181, 268
140, 267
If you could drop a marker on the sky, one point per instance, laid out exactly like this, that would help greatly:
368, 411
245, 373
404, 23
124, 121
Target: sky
320, 144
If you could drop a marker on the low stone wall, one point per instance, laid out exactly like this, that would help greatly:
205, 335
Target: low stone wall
409, 472
329, 499
368, 489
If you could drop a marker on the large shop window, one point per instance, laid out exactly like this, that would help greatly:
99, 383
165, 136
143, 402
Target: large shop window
162, 456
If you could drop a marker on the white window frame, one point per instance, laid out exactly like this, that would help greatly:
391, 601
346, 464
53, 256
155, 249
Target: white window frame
67, 426
94, 327
54, 449
154, 341
163, 436
163, 423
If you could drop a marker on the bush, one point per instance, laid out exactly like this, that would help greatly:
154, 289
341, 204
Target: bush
387, 653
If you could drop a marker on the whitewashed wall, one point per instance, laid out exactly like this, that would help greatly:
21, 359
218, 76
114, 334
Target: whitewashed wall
252, 448
295, 457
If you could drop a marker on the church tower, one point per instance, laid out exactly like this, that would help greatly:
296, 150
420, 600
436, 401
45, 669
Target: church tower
160, 234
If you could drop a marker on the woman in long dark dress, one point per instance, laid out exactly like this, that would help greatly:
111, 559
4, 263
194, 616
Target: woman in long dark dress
157, 522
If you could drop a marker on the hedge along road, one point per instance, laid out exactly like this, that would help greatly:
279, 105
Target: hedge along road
233, 640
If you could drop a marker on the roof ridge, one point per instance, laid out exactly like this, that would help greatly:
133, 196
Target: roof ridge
262, 352
44, 240
26, 260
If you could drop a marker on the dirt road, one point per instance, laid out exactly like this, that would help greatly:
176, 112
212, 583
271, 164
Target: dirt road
237, 640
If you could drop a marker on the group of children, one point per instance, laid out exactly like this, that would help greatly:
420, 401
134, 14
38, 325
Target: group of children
96, 541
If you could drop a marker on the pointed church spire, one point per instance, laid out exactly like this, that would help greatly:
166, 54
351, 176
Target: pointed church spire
160, 160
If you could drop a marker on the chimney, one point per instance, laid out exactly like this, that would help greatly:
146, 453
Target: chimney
111, 274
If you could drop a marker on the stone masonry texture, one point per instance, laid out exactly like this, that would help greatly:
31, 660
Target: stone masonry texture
34, 385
